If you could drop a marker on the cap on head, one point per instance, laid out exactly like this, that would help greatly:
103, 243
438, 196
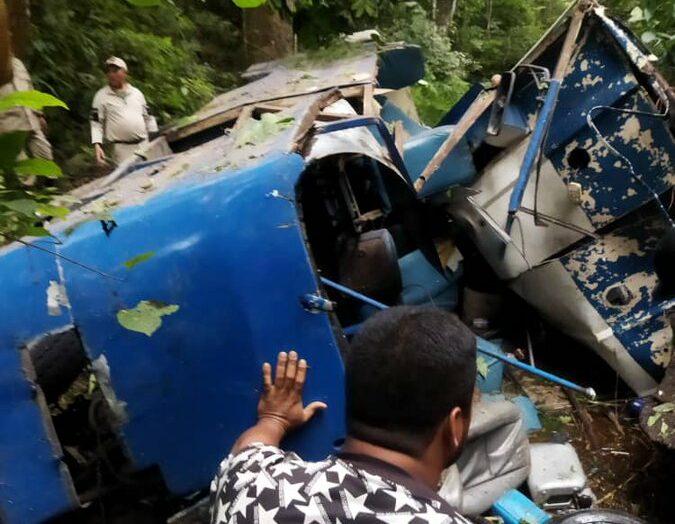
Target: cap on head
116, 61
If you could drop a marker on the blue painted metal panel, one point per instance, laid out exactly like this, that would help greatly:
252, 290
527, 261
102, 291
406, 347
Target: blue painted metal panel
609, 189
625, 257
456, 169
543, 121
391, 113
599, 74
33, 485
230, 253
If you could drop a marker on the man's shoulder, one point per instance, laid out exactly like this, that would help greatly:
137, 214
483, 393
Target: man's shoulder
264, 478
133, 90
103, 92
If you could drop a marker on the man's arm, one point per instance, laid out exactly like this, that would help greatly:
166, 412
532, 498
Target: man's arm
150, 121
280, 409
96, 120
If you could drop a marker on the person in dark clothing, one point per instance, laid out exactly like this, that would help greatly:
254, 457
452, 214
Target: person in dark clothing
410, 375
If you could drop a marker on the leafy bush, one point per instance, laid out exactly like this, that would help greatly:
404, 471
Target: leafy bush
654, 23
166, 57
24, 201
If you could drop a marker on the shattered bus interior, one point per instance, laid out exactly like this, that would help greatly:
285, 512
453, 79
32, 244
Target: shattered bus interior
285, 213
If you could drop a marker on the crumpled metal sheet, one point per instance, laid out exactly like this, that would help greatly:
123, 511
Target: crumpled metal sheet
295, 80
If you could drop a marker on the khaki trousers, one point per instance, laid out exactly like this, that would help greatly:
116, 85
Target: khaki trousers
122, 152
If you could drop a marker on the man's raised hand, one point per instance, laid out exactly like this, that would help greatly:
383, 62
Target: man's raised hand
281, 401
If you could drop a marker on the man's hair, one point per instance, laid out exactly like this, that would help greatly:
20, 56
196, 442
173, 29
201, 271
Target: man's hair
406, 369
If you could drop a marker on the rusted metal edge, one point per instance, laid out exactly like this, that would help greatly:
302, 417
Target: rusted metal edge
175, 133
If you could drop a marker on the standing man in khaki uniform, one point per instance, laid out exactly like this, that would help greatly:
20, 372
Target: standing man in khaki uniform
119, 115
23, 118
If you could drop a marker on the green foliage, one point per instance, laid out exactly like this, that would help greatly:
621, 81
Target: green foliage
434, 99
22, 201
258, 131
246, 4
654, 22
37, 167
446, 68
168, 49
30, 99
145, 3
146, 317
496, 33
182, 52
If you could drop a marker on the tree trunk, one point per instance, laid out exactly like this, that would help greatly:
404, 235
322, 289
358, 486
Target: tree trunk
19, 23
5, 46
445, 11
267, 35
453, 10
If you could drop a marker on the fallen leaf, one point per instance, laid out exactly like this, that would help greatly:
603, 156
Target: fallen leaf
258, 131
146, 317
47, 210
653, 419
664, 429
666, 407
482, 367
139, 259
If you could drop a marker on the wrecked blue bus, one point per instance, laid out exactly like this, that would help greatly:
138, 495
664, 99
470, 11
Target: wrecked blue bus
133, 336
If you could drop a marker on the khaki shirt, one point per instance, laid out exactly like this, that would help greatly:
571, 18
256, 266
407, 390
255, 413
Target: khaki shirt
18, 118
119, 116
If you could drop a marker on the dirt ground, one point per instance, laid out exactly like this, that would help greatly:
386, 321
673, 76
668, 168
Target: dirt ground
625, 469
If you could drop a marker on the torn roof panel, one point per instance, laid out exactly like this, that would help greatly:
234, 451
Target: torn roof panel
291, 79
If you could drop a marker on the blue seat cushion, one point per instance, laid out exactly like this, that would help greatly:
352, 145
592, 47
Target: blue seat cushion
424, 284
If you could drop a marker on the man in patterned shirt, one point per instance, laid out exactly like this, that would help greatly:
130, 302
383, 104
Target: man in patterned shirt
410, 375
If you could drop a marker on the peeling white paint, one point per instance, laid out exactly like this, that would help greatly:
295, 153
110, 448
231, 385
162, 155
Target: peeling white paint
56, 298
590, 80
117, 407
613, 247
609, 248
630, 130
660, 345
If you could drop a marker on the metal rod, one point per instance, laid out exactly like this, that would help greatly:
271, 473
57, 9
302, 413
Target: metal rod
473, 113
354, 294
546, 114
589, 392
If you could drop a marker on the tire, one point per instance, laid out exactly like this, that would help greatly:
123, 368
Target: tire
598, 516
57, 360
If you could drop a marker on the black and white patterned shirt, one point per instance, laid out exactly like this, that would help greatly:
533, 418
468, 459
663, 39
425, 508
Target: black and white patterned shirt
265, 485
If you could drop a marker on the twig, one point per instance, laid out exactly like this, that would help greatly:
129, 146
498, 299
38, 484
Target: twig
611, 415
586, 419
